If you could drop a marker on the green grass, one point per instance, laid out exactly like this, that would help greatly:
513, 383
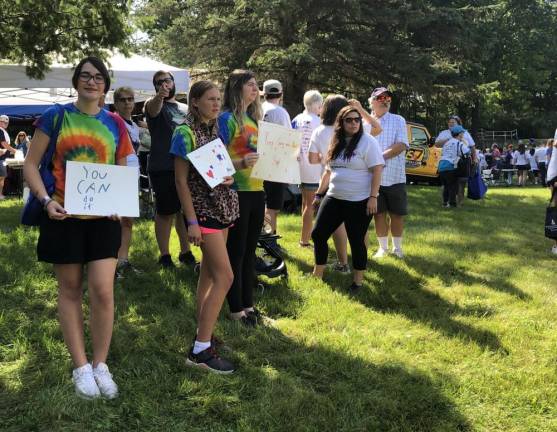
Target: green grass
460, 336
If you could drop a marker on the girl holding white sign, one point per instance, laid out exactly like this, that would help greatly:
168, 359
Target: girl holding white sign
351, 185
80, 131
238, 131
208, 215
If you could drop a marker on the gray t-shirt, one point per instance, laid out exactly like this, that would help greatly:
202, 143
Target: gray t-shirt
161, 129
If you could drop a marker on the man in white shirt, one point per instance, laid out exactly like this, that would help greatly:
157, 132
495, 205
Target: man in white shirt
273, 112
5, 150
392, 194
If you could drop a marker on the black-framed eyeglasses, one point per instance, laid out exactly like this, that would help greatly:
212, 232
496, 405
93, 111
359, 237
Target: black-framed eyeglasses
166, 80
126, 99
86, 77
352, 120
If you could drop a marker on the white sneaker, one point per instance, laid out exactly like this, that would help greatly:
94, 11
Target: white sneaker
554, 250
104, 380
381, 253
85, 385
398, 253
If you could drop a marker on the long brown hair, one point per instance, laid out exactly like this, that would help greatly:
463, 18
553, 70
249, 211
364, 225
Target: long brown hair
197, 91
338, 142
233, 96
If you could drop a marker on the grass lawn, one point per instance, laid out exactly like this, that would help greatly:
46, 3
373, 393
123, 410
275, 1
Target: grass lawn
459, 336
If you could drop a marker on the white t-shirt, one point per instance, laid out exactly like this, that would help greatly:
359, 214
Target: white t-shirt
276, 114
5, 136
307, 122
394, 131
351, 179
320, 140
453, 150
541, 154
520, 159
532, 161
446, 135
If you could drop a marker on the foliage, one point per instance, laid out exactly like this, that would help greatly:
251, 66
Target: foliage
492, 61
36, 33
459, 336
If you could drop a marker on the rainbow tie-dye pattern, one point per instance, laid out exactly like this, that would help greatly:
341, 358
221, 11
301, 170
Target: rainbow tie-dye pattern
239, 142
102, 139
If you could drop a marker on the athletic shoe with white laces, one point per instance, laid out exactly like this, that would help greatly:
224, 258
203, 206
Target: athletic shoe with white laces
84, 382
381, 253
103, 377
398, 253
554, 250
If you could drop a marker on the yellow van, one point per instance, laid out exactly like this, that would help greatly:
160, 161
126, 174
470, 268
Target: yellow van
422, 157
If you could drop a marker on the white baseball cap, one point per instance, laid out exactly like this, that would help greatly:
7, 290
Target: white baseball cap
4, 117
271, 87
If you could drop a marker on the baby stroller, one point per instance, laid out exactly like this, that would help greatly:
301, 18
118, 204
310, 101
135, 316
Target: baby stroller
269, 256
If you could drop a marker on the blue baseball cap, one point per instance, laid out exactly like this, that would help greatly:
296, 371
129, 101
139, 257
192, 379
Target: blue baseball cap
457, 129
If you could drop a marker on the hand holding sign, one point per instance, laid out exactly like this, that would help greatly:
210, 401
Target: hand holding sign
101, 190
212, 162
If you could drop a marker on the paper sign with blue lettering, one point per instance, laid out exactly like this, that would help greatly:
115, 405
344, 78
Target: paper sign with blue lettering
212, 162
101, 190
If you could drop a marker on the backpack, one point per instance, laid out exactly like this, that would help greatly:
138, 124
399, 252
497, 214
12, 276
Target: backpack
33, 209
464, 164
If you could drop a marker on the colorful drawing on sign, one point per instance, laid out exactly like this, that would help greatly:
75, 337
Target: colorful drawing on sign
101, 190
278, 149
212, 162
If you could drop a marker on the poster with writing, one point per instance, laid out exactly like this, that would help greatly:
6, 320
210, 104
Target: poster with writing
101, 190
212, 162
278, 149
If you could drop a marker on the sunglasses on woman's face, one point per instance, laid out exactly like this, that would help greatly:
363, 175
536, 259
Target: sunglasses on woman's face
352, 120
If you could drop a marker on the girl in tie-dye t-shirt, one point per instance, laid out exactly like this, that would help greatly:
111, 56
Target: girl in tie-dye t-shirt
78, 246
100, 138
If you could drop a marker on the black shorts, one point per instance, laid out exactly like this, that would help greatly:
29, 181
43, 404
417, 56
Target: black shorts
274, 194
523, 167
77, 241
393, 199
166, 197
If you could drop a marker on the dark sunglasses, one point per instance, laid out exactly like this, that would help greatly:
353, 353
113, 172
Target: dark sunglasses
382, 98
126, 99
352, 120
162, 81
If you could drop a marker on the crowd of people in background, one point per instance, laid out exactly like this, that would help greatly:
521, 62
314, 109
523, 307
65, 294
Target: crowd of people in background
352, 168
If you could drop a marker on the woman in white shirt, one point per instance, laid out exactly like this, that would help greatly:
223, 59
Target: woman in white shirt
451, 153
520, 161
351, 183
310, 173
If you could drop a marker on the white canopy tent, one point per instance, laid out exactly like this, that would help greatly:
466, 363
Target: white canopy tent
22, 96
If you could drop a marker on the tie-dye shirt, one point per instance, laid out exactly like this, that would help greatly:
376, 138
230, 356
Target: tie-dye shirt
101, 138
240, 141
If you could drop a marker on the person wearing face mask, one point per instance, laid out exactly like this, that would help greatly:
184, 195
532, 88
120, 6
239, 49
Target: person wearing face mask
392, 201
163, 114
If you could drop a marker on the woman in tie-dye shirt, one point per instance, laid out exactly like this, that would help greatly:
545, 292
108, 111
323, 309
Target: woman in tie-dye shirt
238, 130
83, 132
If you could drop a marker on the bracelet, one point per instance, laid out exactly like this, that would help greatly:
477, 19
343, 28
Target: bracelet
373, 196
192, 222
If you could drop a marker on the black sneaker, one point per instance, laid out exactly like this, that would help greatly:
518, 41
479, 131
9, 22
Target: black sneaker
209, 360
165, 261
354, 288
187, 258
250, 320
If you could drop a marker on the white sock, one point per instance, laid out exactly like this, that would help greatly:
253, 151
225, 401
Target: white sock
250, 309
200, 346
383, 242
397, 243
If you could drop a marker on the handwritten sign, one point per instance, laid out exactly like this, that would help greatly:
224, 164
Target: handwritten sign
212, 162
101, 190
278, 149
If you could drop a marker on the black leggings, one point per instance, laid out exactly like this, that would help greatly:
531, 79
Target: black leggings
333, 212
241, 244
449, 179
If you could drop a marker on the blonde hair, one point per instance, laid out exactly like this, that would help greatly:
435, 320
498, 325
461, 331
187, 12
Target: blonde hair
118, 92
233, 97
312, 97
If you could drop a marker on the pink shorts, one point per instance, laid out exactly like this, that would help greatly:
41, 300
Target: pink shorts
205, 230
